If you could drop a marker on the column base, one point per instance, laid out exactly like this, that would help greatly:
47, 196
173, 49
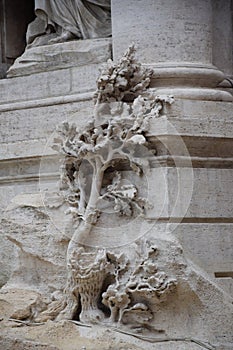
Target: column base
195, 81
196, 93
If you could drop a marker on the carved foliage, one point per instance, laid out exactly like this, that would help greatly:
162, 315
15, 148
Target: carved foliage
122, 81
116, 135
129, 299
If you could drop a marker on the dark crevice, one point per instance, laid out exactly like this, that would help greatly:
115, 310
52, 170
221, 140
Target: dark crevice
78, 310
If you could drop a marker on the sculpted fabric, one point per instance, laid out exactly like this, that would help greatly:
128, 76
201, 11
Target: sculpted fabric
85, 19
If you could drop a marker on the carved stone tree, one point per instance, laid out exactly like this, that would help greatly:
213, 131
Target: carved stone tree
116, 135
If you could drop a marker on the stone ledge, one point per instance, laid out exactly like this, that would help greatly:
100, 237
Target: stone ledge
44, 102
44, 85
59, 56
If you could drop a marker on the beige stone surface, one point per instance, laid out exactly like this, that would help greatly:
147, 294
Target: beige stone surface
198, 297
8, 343
222, 50
215, 252
46, 85
17, 303
67, 336
32, 128
195, 118
41, 244
189, 193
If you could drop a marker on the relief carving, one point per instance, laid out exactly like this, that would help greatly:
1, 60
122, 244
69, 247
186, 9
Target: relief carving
117, 135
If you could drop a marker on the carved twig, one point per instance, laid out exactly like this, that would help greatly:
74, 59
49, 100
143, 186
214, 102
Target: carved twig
204, 345
26, 323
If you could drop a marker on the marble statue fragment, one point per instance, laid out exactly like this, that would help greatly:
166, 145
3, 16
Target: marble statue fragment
59, 21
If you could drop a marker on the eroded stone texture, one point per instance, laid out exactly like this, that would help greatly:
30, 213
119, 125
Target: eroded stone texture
18, 344
68, 336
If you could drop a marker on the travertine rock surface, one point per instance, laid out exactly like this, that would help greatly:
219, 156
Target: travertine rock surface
67, 336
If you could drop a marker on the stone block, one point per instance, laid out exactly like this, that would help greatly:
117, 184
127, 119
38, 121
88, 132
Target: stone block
187, 193
214, 254
25, 132
195, 118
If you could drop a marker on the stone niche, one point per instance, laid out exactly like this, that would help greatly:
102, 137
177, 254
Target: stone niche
15, 15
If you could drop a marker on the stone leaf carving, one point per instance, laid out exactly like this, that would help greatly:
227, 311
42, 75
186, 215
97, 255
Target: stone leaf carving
117, 133
122, 81
129, 298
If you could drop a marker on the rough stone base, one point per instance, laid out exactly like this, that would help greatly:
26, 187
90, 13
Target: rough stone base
65, 335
